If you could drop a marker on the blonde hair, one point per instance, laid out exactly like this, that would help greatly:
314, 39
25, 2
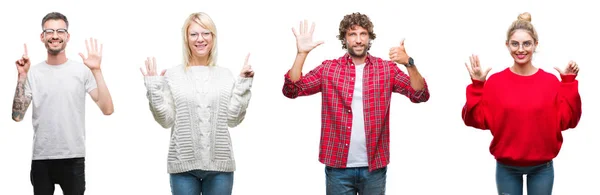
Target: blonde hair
523, 22
206, 22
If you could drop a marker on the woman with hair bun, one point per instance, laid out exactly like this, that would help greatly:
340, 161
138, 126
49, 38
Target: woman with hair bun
526, 109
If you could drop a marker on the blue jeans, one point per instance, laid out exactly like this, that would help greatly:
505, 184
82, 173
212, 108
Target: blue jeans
350, 181
198, 182
540, 179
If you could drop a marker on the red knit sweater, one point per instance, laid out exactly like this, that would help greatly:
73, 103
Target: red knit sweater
525, 114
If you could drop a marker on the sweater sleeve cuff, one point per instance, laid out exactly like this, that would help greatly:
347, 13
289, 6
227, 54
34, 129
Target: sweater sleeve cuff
153, 82
244, 83
567, 78
477, 83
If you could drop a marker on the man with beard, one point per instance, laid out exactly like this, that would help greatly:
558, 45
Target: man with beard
57, 87
356, 93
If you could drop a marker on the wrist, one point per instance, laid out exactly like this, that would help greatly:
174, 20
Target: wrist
22, 76
96, 70
567, 78
409, 63
302, 54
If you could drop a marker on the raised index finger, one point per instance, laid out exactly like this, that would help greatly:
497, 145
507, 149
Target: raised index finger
25, 45
246, 61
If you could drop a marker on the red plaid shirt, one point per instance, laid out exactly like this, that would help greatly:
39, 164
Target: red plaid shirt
335, 79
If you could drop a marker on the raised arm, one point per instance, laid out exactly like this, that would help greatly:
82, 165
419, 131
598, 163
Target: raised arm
22, 97
100, 94
412, 85
240, 95
295, 84
569, 100
159, 95
474, 113
403, 84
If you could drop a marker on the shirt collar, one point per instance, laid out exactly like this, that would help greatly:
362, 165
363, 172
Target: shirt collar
346, 59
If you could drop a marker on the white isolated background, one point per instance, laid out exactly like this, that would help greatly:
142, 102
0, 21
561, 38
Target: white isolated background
276, 147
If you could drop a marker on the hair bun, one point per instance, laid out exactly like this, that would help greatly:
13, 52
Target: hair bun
525, 16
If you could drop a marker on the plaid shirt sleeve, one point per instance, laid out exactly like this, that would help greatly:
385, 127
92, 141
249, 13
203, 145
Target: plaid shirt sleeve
401, 83
308, 84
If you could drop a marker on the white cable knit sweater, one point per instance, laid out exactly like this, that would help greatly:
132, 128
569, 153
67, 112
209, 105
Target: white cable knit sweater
199, 105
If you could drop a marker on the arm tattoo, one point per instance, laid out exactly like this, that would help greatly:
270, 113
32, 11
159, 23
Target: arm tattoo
20, 102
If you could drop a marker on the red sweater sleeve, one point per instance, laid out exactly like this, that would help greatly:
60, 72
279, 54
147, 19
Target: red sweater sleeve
474, 113
568, 102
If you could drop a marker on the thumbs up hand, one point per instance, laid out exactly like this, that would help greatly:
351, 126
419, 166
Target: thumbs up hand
398, 54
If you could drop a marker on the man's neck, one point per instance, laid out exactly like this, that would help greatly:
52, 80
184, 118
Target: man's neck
359, 60
58, 59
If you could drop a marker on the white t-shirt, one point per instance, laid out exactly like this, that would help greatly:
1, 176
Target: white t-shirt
58, 108
357, 154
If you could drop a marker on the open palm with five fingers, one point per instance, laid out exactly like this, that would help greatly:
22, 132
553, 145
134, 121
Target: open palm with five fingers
94, 58
23, 64
304, 39
247, 71
571, 69
151, 68
475, 70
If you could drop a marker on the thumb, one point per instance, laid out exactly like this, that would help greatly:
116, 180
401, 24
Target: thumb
82, 57
558, 69
487, 71
163, 72
319, 43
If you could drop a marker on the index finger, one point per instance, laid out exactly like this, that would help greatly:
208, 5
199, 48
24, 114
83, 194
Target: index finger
25, 45
402, 42
247, 57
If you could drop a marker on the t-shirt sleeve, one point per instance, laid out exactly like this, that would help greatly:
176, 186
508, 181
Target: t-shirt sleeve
28, 85
90, 81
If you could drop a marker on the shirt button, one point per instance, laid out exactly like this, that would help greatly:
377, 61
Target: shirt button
349, 110
346, 144
352, 78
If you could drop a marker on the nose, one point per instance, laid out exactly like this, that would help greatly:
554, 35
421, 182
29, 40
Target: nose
200, 39
54, 35
520, 49
358, 41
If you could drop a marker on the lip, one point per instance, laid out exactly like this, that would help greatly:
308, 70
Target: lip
201, 46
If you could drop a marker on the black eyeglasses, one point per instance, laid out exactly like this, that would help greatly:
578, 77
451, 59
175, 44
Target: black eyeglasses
60, 31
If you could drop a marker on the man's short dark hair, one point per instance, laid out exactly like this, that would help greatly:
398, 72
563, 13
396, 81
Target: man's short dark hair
55, 16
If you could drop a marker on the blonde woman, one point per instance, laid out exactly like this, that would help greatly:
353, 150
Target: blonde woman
526, 109
199, 101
